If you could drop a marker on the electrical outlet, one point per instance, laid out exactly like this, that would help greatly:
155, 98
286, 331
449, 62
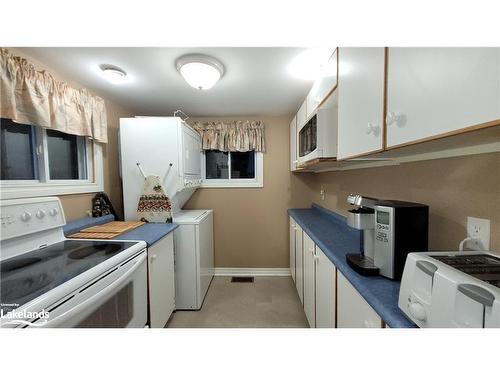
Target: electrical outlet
322, 193
480, 230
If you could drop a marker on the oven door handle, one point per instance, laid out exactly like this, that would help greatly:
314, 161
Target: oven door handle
107, 291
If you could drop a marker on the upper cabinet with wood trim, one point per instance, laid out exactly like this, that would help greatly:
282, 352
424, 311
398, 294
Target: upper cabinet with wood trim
433, 92
324, 85
294, 158
361, 101
301, 115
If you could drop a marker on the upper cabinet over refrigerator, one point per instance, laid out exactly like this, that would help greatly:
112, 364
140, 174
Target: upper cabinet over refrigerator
360, 101
433, 92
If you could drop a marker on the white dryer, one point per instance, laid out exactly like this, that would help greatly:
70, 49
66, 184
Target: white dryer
194, 257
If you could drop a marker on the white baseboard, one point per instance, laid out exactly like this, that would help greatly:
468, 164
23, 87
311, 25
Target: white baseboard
252, 271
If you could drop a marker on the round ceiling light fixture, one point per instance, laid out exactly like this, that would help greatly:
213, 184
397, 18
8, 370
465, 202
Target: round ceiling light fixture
200, 71
113, 73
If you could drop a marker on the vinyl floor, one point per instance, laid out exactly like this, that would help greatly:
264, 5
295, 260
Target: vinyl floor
268, 302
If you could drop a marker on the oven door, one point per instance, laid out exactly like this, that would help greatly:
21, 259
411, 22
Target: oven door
117, 299
308, 141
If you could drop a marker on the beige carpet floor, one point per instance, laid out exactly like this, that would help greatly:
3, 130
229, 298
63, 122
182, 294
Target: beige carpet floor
269, 302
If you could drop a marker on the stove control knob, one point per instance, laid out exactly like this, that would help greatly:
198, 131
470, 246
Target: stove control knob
418, 311
53, 212
40, 214
26, 216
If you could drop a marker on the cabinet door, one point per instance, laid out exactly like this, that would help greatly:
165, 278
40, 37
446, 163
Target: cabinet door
361, 101
323, 85
299, 280
309, 280
352, 309
325, 291
293, 145
192, 151
433, 91
161, 281
293, 227
301, 116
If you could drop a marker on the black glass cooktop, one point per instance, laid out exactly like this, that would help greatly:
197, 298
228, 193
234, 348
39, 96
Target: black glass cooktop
482, 266
27, 276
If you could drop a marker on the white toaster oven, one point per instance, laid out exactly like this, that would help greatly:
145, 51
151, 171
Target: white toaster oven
452, 289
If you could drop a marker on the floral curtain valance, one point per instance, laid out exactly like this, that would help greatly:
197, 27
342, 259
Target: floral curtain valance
233, 136
34, 97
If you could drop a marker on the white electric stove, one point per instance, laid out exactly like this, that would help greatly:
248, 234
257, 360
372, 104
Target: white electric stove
50, 281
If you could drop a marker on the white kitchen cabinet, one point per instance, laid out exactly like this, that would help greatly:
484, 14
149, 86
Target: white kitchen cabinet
293, 226
309, 249
323, 86
301, 116
299, 274
161, 281
325, 291
361, 101
434, 91
294, 158
352, 309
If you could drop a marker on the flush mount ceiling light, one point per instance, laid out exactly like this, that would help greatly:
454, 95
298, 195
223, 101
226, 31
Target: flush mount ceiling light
113, 74
200, 71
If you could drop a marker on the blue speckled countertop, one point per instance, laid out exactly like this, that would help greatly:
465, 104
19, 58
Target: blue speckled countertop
149, 232
335, 238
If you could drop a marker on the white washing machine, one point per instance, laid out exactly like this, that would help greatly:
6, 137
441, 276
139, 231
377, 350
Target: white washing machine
194, 257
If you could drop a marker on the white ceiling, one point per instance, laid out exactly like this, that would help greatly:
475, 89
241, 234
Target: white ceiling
256, 80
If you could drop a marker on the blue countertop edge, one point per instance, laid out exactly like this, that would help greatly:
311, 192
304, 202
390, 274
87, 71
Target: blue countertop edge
149, 232
335, 238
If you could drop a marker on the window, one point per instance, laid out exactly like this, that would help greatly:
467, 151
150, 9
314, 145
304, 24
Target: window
232, 169
38, 162
67, 156
17, 149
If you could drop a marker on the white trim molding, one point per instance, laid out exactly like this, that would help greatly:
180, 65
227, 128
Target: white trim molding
252, 271
26, 189
257, 182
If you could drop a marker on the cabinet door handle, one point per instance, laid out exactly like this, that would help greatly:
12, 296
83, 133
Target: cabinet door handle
372, 129
316, 258
392, 118
153, 257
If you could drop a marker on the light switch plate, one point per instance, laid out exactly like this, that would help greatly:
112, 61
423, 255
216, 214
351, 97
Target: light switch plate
480, 229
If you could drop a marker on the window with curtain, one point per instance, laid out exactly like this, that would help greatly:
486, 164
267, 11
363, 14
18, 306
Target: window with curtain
232, 153
51, 134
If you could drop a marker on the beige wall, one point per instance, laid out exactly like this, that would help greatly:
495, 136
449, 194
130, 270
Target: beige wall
250, 225
76, 205
453, 188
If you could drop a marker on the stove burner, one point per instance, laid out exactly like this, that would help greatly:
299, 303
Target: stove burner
90, 250
12, 265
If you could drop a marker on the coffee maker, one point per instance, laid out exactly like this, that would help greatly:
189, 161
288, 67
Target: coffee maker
391, 230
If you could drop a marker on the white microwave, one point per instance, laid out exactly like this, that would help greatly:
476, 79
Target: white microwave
317, 138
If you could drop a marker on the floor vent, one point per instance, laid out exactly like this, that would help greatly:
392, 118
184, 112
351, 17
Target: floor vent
242, 279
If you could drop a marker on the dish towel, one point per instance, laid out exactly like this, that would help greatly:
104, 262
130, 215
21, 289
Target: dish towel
154, 205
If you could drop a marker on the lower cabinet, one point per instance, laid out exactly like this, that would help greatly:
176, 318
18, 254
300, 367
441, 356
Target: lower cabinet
293, 226
309, 249
325, 291
161, 281
352, 309
299, 269
328, 298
